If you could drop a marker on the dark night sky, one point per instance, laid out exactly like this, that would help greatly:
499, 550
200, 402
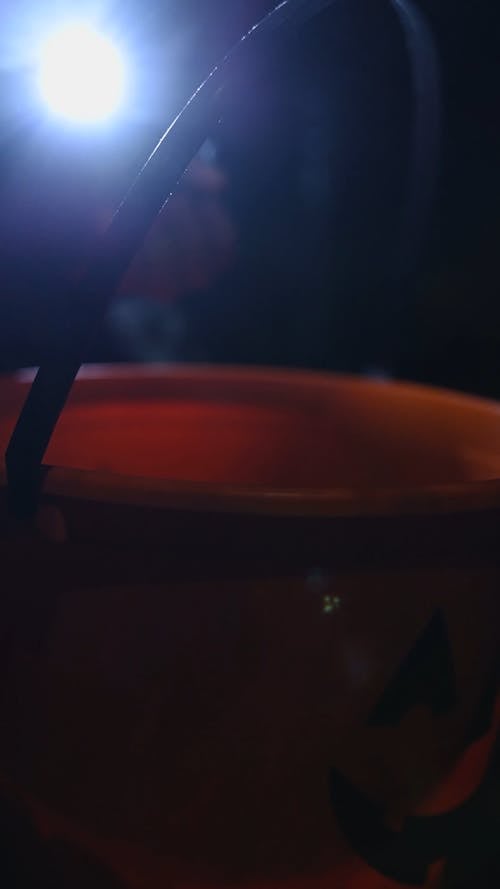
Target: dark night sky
315, 159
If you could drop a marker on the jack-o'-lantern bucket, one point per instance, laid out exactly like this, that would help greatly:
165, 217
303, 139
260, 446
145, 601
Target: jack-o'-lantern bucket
249, 618
251, 636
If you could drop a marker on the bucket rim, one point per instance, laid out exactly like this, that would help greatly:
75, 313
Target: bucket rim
187, 496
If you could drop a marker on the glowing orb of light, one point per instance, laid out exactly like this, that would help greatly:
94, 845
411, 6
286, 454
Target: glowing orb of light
82, 75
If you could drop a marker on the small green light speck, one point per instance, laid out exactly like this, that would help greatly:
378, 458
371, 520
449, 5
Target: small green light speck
331, 604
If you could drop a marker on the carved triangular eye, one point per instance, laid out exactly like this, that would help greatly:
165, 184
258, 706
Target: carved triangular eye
426, 678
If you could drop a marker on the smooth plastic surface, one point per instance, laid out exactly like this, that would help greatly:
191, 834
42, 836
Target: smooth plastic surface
252, 638
270, 430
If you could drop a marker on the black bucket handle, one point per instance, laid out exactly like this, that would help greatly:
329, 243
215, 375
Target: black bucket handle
88, 299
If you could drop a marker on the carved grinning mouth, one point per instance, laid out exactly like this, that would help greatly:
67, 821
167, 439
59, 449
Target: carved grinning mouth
426, 677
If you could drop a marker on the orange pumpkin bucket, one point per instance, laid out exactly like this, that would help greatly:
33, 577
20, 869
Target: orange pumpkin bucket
251, 638
250, 619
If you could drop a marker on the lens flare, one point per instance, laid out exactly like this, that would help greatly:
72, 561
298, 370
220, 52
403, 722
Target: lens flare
82, 75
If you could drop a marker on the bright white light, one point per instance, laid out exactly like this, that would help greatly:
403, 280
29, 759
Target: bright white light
82, 75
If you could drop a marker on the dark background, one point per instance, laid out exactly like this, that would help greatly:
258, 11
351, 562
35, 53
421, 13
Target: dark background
315, 158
